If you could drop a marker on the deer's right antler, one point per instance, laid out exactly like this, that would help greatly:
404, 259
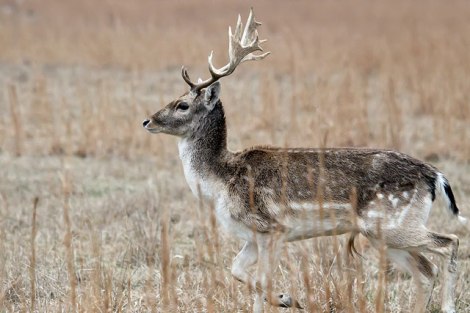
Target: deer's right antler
242, 45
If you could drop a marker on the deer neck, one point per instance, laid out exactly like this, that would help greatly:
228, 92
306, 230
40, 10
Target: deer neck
203, 152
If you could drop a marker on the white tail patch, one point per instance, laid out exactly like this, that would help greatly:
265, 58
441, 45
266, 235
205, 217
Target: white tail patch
441, 182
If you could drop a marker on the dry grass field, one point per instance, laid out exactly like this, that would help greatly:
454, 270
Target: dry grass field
95, 214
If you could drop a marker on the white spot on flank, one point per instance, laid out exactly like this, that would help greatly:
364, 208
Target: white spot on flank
309, 206
393, 200
375, 214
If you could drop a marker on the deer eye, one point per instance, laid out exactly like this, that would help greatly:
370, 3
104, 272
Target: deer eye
183, 106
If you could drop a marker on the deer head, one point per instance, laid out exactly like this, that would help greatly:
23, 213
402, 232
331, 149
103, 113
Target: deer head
183, 116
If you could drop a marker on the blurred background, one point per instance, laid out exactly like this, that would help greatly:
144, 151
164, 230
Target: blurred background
77, 78
376, 74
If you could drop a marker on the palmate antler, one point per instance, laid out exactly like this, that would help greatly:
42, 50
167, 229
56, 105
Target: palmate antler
242, 45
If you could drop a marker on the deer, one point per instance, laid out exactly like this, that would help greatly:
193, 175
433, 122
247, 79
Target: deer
268, 196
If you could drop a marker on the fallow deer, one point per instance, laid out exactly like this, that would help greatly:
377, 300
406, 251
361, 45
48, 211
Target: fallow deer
267, 196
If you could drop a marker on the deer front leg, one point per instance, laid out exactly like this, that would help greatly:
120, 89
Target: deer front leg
267, 263
244, 259
268, 259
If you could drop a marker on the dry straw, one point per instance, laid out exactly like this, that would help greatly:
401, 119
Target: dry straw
79, 76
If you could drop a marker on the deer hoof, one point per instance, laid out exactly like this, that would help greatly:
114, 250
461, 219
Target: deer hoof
286, 301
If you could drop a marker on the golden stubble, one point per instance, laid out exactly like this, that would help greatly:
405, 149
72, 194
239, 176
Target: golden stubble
116, 227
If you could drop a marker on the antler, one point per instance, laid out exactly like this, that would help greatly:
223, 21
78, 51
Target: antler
242, 45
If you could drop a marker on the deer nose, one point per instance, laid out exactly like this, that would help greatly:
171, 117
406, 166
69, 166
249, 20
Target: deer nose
145, 123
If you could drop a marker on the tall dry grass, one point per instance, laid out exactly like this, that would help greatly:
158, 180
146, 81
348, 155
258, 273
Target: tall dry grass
116, 228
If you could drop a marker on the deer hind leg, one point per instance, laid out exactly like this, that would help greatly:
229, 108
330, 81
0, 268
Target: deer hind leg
424, 275
447, 246
422, 271
422, 240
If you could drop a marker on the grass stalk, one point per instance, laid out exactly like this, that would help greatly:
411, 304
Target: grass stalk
32, 263
66, 190
165, 260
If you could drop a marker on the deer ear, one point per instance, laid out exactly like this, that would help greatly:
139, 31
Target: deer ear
211, 95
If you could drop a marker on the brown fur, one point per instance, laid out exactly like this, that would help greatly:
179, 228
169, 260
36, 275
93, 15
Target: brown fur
297, 175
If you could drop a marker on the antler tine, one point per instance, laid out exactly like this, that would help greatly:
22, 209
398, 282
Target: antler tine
250, 32
243, 42
238, 29
255, 57
184, 73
